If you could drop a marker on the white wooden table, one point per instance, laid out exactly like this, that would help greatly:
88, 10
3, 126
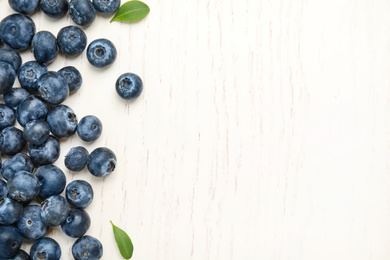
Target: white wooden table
263, 131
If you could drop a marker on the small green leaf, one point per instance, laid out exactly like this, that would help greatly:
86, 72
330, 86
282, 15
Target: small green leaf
131, 11
123, 241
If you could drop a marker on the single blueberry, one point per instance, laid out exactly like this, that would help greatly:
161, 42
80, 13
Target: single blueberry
24, 6
7, 77
11, 140
71, 40
79, 193
76, 159
7, 116
21, 255
29, 74
53, 88
129, 86
107, 6
36, 131
77, 223
52, 180
16, 163
82, 12
46, 152
87, 248
23, 186
44, 47
30, 224
10, 241
54, 8
62, 121
73, 77
54, 210
89, 128
3, 189
101, 53
45, 248
11, 56
17, 30
10, 211
32, 108
14, 97
101, 162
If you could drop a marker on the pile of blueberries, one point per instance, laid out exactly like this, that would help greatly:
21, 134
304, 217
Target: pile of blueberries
31, 178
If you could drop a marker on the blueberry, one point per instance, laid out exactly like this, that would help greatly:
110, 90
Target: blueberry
45, 248
10, 241
36, 131
23, 186
30, 224
14, 97
7, 77
54, 210
17, 30
45, 153
10, 211
62, 121
54, 8
129, 86
107, 6
7, 116
82, 12
29, 74
73, 77
76, 159
9, 55
71, 40
19, 162
77, 223
53, 88
79, 193
89, 128
32, 108
44, 47
87, 248
11, 140
101, 162
101, 53
52, 180
21, 255
24, 6
3, 189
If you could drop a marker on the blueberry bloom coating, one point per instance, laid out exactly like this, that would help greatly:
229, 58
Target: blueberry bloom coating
89, 128
54, 210
10, 241
54, 8
24, 6
7, 77
11, 140
29, 74
21, 255
52, 180
9, 55
129, 86
23, 186
45, 248
62, 121
53, 88
36, 131
76, 159
32, 108
44, 47
14, 97
101, 53
3, 189
7, 116
30, 224
107, 6
71, 40
19, 162
17, 30
82, 12
77, 223
87, 248
101, 162
10, 211
73, 77
46, 152
79, 193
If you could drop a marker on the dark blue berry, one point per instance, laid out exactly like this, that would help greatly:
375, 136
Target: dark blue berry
45, 248
82, 12
17, 30
24, 6
46, 152
52, 180
129, 86
7, 77
87, 248
101, 162
29, 74
89, 128
77, 223
73, 77
36, 131
54, 8
23, 186
11, 56
21, 255
32, 108
11, 141
107, 6
62, 121
79, 193
16, 163
10, 241
14, 97
7, 116
53, 88
54, 210
71, 40
3, 189
101, 53
76, 159
30, 224
44, 47
10, 211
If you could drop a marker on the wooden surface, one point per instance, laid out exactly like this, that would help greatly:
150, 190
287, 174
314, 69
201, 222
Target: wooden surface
263, 131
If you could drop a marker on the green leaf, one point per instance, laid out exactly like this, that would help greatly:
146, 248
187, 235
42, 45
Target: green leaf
131, 11
123, 241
